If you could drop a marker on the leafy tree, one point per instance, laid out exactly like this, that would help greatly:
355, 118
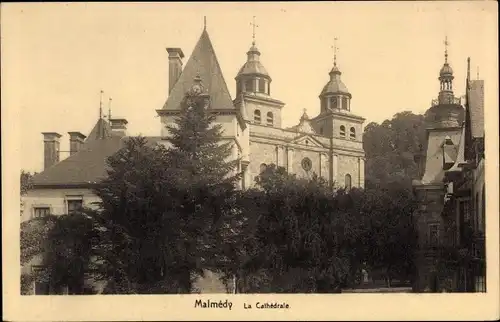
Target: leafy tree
26, 184
301, 235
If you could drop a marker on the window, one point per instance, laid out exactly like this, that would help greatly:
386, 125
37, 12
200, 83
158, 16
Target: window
249, 85
342, 131
270, 119
344, 103
352, 133
480, 282
263, 167
40, 286
256, 116
262, 85
41, 212
333, 102
306, 164
433, 237
74, 205
348, 182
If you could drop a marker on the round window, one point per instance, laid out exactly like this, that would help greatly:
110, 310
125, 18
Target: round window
306, 164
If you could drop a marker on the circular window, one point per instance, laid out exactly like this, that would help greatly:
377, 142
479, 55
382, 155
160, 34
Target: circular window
306, 164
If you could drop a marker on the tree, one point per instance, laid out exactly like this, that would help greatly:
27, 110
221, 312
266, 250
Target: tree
301, 235
26, 184
164, 210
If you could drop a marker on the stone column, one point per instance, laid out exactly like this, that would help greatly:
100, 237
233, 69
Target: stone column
244, 177
256, 89
279, 156
289, 159
334, 168
361, 173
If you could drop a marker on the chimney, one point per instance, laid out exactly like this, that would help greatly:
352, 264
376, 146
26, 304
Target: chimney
175, 56
50, 149
119, 126
76, 140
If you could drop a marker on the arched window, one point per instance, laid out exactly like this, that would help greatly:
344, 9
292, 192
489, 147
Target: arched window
483, 210
256, 116
348, 182
344, 103
270, 118
352, 133
263, 167
342, 131
262, 85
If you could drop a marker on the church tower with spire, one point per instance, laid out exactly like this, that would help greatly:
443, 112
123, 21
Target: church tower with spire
253, 90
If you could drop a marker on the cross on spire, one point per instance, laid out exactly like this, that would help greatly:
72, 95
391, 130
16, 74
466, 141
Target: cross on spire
446, 43
100, 104
109, 109
254, 25
204, 22
477, 75
334, 47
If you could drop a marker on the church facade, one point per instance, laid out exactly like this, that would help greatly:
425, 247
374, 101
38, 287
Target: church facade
328, 145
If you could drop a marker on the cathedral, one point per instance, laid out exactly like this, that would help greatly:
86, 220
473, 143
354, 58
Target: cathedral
328, 144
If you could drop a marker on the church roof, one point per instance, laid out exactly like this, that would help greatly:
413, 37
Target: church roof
476, 97
202, 62
335, 85
253, 66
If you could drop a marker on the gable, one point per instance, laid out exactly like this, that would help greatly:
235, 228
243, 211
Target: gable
306, 140
202, 62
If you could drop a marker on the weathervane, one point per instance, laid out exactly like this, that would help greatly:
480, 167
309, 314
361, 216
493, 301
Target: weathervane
253, 26
109, 110
100, 104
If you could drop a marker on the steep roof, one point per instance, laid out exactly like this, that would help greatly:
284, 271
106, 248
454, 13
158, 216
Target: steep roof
476, 96
88, 165
202, 62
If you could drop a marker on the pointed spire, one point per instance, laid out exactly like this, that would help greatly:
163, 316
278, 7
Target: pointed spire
204, 22
468, 72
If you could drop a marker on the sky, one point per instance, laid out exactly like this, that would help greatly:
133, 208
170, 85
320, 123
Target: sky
56, 58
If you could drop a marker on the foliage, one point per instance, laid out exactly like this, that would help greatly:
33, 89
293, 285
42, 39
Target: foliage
163, 208
26, 180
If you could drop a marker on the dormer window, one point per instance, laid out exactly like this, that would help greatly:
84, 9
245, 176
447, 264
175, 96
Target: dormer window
352, 133
256, 116
270, 119
342, 131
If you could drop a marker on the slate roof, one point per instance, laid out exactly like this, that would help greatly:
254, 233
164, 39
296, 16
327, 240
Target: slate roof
202, 62
335, 84
476, 97
87, 166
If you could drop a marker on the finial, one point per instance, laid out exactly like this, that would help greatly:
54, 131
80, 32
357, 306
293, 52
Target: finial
109, 109
204, 22
477, 73
100, 104
446, 43
253, 27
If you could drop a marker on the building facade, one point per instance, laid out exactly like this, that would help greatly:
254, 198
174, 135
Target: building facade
451, 214
329, 144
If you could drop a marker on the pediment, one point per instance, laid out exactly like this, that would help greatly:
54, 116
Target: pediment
306, 140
